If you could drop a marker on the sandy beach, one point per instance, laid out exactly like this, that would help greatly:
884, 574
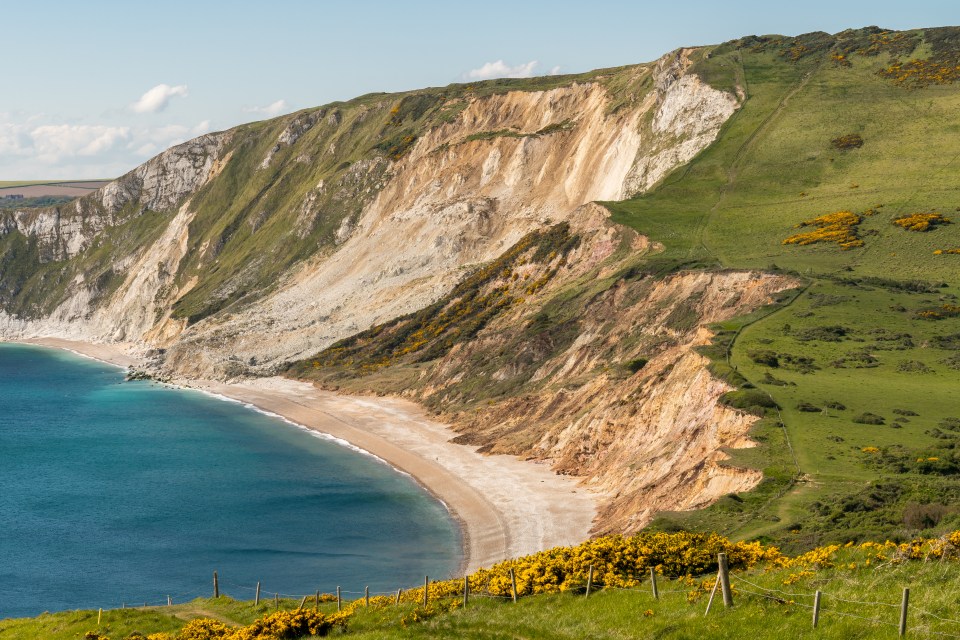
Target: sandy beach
506, 507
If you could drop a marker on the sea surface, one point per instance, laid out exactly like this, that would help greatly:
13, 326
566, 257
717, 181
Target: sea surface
116, 493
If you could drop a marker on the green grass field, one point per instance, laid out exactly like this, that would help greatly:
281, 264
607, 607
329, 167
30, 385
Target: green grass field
860, 600
772, 168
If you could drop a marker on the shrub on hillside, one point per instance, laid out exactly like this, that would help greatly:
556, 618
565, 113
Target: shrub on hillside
913, 366
924, 516
869, 418
849, 141
905, 412
749, 400
835, 333
921, 221
765, 357
839, 227
777, 382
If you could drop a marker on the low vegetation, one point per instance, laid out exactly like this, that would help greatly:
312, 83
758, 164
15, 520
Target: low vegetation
598, 589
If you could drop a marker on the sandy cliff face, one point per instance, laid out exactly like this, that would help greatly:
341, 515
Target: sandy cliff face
425, 212
468, 189
557, 373
648, 441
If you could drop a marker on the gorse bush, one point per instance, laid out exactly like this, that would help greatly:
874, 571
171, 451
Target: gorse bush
921, 221
282, 625
839, 227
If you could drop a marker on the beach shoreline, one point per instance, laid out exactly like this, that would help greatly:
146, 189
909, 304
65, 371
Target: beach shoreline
505, 507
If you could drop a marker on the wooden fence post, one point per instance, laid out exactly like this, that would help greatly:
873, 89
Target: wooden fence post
366, 596
653, 583
589, 580
513, 585
256, 601
903, 612
426, 590
466, 590
316, 604
276, 601
816, 608
725, 580
399, 591
302, 602
99, 615
216, 586
338, 598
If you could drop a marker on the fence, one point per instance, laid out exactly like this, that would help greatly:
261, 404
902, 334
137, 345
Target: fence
822, 604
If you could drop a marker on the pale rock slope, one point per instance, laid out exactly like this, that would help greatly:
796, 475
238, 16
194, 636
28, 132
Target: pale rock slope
466, 191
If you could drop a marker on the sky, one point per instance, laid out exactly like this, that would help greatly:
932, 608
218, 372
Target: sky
92, 89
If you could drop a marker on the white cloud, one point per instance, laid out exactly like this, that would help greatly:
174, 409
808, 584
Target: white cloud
156, 99
14, 139
51, 143
500, 69
40, 147
272, 109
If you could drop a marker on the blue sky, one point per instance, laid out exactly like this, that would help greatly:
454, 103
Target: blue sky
92, 89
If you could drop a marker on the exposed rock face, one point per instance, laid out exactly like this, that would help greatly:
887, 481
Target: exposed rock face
688, 117
161, 183
466, 191
157, 185
434, 205
650, 440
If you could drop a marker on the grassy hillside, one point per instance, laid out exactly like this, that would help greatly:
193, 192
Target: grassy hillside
825, 129
773, 597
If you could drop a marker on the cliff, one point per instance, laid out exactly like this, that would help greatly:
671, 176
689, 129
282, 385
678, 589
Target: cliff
543, 263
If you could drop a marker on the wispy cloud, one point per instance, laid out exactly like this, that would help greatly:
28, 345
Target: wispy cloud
157, 98
39, 146
53, 142
272, 109
501, 69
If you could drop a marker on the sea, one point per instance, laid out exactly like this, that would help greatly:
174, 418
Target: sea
117, 493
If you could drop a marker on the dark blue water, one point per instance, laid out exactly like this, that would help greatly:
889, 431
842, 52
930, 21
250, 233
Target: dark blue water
117, 492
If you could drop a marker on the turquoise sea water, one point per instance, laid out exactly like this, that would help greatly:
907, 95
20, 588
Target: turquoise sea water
117, 492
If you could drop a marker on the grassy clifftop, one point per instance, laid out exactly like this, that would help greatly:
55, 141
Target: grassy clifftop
601, 589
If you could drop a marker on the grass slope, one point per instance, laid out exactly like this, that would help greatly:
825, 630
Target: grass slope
861, 600
773, 167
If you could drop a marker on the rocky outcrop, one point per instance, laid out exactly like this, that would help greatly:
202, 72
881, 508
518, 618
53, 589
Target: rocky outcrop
158, 185
687, 118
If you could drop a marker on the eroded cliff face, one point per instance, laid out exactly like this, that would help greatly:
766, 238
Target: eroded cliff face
239, 252
485, 172
552, 379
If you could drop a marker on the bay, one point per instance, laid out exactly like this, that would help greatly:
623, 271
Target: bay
116, 492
